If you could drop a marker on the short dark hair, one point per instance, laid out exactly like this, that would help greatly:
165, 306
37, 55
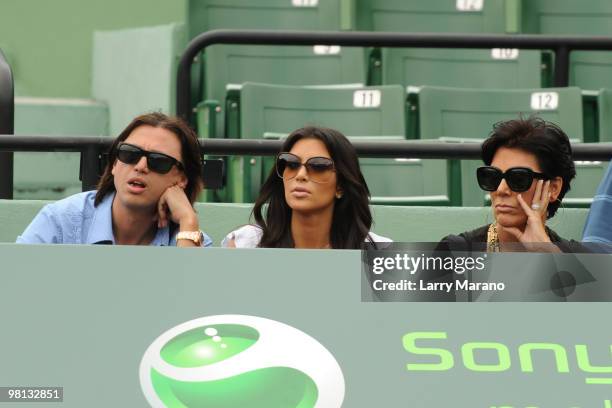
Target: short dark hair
352, 218
545, 140
190, 153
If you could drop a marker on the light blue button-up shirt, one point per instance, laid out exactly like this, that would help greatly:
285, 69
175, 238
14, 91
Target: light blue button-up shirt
598, 225
75, 220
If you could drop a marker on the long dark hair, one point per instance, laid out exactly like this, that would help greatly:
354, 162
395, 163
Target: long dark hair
351, 220
190, 153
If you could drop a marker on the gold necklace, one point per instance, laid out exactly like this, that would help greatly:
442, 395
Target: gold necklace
493, 239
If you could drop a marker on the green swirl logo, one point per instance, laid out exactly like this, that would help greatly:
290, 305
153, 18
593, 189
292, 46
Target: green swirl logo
229, 361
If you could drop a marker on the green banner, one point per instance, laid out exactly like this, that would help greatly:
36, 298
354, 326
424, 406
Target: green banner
132, 326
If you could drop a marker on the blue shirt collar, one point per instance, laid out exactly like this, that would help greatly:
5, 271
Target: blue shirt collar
101, 228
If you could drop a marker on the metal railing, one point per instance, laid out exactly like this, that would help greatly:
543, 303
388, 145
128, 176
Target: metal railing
561, 45
7, 124
93, 149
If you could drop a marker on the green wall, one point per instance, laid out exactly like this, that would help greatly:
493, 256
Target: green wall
49, 42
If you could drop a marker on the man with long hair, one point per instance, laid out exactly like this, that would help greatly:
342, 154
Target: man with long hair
145, 195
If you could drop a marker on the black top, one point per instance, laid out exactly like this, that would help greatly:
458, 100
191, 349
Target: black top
476, 240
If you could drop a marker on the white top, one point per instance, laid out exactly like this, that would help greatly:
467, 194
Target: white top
248, 236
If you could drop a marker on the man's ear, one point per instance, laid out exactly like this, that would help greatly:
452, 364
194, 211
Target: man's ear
555, 188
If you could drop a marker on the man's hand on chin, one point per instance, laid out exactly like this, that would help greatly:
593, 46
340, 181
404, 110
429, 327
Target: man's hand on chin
174, 206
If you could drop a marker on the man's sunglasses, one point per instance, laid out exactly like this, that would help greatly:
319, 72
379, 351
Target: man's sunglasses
157, 162
519, 179
319, 169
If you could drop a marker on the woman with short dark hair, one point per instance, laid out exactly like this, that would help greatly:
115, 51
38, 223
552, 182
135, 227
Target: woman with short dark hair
528, 170
316, 197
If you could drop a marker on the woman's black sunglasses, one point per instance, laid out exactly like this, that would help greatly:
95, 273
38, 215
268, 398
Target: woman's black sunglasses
519, 179
319, 169
158, 162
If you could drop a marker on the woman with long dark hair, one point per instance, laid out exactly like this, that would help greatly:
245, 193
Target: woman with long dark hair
316, 197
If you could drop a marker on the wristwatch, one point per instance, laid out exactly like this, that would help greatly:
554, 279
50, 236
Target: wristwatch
195, 236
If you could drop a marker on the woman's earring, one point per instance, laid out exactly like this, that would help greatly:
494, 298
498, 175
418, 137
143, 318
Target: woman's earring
338, 195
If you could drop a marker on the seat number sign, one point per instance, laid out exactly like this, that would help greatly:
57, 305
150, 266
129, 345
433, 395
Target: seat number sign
366, 98
544, 101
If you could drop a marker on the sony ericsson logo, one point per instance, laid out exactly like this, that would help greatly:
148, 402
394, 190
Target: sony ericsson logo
239, 361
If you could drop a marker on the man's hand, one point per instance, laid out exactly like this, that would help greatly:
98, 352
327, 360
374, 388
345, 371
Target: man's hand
174, 206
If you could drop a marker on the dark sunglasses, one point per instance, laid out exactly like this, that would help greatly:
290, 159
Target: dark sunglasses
157, 162
319, 169
519, 179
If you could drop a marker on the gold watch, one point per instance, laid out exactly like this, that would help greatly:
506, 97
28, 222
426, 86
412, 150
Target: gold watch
195, 236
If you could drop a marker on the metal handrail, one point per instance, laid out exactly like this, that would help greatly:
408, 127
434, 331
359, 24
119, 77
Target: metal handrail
257, 147
92, 149
560, 45
7, 124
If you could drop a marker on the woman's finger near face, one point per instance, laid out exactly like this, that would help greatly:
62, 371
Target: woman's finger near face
537, 196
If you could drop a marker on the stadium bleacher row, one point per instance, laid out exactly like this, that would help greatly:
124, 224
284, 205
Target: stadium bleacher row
404, 224
444, 95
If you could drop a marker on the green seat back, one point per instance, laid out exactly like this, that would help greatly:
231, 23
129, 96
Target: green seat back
406, 181
402, 224
465, 16
432, 67
53, 175
355, 111
313, 65
591, 70
604, 115
591, 17
236, 64
588, 70
206, 15
498, 68
470, 113
265, 109
583, 188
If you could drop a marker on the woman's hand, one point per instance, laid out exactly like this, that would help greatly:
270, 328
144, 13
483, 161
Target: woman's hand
535, 230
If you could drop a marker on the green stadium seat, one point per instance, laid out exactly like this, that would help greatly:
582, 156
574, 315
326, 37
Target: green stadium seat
470, 113
53, 175
206, 15
602, 111
591, 17
591, 70
356, 111
236, 64
467, 115
464, 16
496, 68
446, 67
588, 70
583, 188
375, 113
266, 110
318, 65
406, 181
403, 224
